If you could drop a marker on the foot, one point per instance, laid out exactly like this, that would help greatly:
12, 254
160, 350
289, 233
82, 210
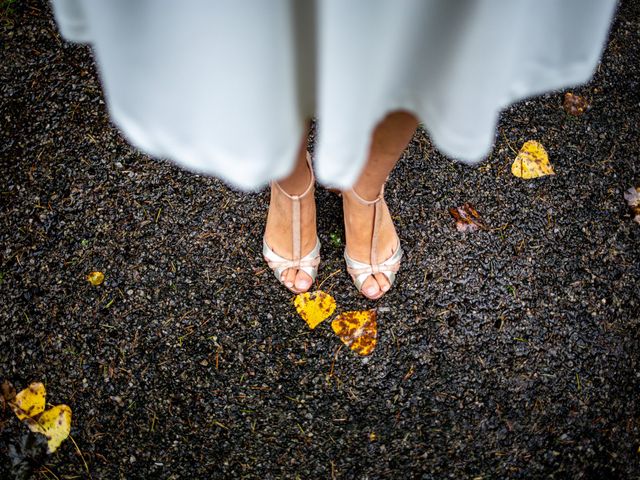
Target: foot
279, 232
358, 222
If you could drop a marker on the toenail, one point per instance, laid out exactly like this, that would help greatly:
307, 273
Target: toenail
288, 284
372, 291
385, 288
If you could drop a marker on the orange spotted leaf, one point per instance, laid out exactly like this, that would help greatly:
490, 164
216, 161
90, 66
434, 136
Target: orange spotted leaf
314, 307
357, 330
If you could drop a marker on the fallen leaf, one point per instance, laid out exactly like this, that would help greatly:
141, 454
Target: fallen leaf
314, 307
8, 391
632, 196
575, 104
95, 278
55, 424
357, 330
467, 218
30, 401
532, 161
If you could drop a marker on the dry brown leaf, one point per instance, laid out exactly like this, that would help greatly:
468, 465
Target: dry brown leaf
467, 218
314, 307
632, 196
575, 104
8, 394
8, 391
357, 330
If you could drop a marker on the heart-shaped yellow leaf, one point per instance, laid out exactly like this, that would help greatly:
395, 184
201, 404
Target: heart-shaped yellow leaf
314, 307
357, 330
55, 424
532, 161
30, 401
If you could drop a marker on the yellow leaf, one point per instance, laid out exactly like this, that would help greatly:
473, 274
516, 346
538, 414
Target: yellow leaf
95, 278
314, 307
357, 330
532, 161
30, 401
55, 424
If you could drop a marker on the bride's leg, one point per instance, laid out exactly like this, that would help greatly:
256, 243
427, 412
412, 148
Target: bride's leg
278, 234
390, 138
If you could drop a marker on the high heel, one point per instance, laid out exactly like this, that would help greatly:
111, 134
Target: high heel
360, 271
309, 263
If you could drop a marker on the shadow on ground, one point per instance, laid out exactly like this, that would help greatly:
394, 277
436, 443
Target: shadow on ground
511, 352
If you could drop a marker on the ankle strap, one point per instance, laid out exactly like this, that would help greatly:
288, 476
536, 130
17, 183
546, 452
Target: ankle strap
368, 202
312, 182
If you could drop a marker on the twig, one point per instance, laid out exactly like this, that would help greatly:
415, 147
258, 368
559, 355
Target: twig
328, 277
509, 143
579, 384
335, 356
54, 475
86, 467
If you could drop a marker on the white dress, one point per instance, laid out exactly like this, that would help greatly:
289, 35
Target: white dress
223, 87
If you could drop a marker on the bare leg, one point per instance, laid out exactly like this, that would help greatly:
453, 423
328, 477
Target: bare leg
390, 138
278, 234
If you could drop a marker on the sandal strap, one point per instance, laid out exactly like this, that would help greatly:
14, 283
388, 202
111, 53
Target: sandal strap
285, 264
391, 264
360, 271
308, 264
375, 268
295, 211
370, 270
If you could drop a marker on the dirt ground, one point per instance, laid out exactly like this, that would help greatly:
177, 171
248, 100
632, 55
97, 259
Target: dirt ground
506, 353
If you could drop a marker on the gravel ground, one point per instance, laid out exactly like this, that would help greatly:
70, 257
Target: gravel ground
507, 353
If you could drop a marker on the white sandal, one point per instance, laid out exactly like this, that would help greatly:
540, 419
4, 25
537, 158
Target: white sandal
360, 271
309, 263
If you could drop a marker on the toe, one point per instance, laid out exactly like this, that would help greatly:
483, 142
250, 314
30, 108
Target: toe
303, 281
371, 289
383, 282
289, 278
